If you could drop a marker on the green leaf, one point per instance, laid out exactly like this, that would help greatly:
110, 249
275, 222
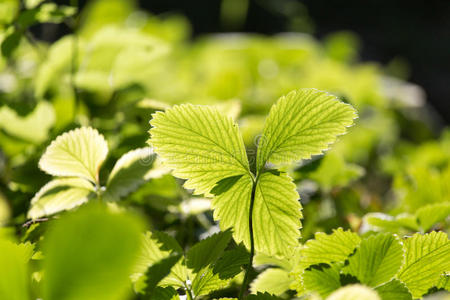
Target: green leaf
429, 215
393, 290
273, 281
276, 215
59, 195
33, 127
92, 249
10, 43
302, 123
158, 246
219, 274
382, 222
427, 258
158, 271
199, 144
328, 248
5, 212
131, 171
78, 153
14, 282
322, 279
207, 251
444, 282
377, 259
354, 292
164, 293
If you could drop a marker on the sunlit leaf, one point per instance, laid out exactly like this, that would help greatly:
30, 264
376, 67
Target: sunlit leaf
354, 292
79, 153
301, 124
59, 195
377, 259
273, 281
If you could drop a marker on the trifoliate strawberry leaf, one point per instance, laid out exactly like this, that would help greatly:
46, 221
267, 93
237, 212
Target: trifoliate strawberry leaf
354, 292
59, 195
393, 290
199, 144
301, 124
77, 153
377, 259
207, 251
427, 257
328, 248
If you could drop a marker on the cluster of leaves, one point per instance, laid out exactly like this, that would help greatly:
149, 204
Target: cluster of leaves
230, 211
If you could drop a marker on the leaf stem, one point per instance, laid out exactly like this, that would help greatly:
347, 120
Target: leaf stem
252, 242
188, 292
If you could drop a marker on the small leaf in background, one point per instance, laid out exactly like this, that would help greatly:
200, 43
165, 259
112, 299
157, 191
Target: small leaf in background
328, 248
89, 254
33, 128
429, 215
273, 281
10, 43
393, 290
323, 279
59, 195
427, 257
354, 292
378, 221
131, 171
14, 276
377, 259
207, 251
79, 152
301, 124
157, 246
262, 296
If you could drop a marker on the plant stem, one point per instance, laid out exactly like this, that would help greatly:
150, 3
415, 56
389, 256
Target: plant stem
252, 242
188, 292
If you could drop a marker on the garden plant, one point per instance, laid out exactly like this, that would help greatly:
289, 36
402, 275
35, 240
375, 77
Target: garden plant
137, 163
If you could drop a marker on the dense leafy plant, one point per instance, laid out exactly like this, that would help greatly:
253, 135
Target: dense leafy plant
247, 173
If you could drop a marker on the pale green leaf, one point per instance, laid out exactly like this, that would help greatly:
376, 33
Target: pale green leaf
219, 274
207, 251
14, 277
231, 208
354, 292
33, 127
199, 144
429, 215
157, 246
131, 171
328, 248
444, 282
302, 123
382, 222
393, 290
322, 279
376, 260
427, 258
276, 215
92, 249
79, 152
59, 195
274, 281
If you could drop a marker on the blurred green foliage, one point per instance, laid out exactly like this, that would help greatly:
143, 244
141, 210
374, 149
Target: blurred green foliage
390, 173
